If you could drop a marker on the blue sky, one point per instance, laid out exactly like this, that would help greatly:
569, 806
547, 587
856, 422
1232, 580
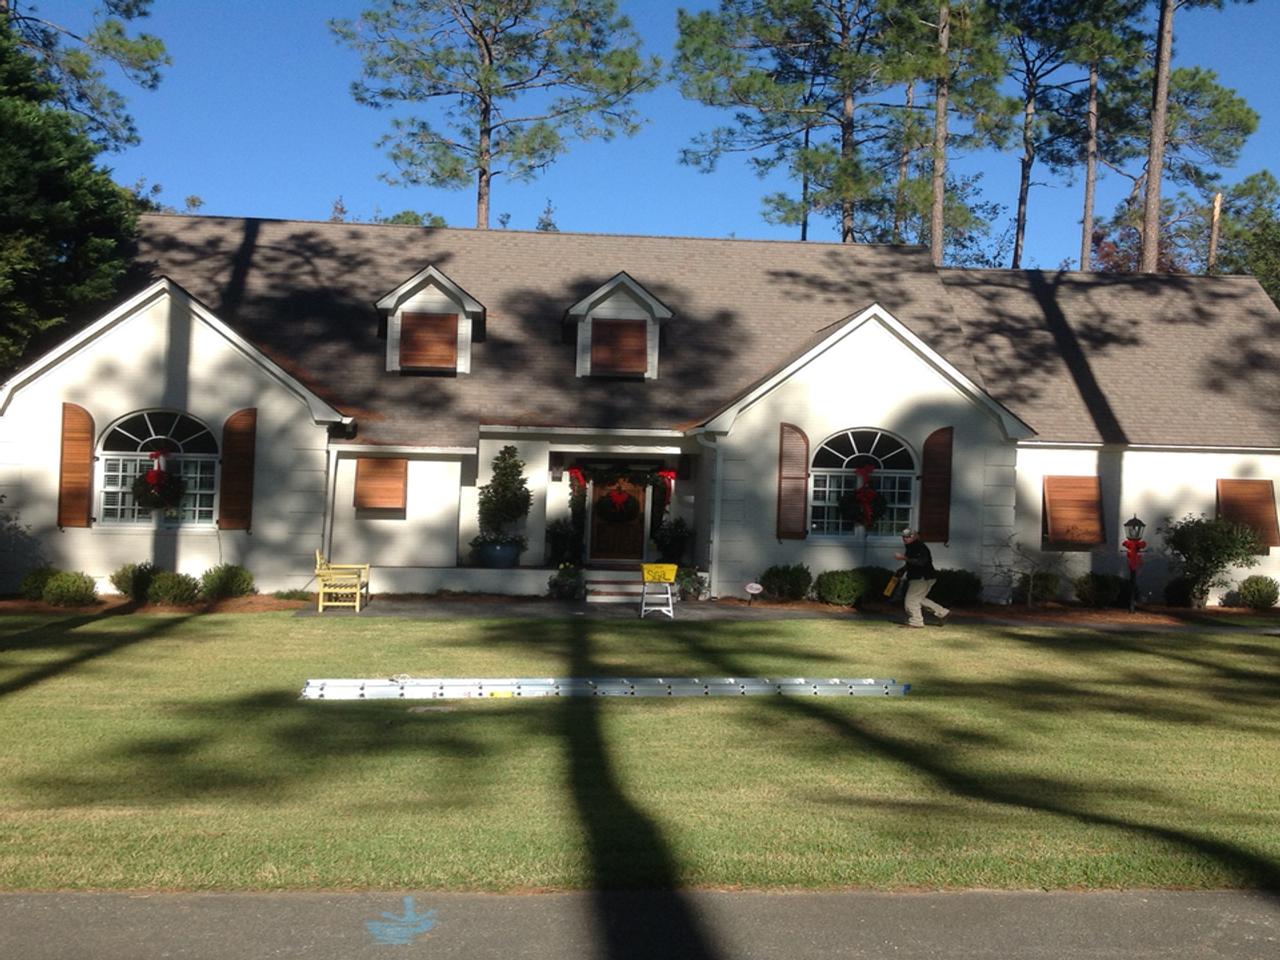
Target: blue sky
255, 117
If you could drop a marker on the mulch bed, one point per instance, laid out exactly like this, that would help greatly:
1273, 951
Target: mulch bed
258, 603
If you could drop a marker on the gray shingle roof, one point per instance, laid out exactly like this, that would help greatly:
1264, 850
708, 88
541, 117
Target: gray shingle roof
1055, 348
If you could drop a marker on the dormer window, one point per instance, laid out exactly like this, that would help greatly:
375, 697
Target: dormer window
431, 324
618, 326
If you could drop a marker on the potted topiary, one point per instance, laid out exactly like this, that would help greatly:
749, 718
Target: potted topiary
504, 501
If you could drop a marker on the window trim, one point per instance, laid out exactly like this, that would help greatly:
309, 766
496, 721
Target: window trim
155, 519
892, 526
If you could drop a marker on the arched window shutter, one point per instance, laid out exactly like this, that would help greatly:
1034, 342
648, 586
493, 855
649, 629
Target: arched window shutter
935, 487
793, 483
75, 478
235, 505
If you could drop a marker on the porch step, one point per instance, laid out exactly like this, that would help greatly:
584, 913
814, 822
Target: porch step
612, 586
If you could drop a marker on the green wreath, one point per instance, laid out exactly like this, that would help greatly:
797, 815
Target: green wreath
165, 494
624, 509
851, 509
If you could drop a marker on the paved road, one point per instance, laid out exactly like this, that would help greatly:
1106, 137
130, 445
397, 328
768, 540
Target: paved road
704, 925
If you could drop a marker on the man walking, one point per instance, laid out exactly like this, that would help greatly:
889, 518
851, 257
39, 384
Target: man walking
920, 577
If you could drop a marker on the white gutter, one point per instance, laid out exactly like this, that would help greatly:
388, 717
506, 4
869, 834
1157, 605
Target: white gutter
374, 449
713, 562
580, 431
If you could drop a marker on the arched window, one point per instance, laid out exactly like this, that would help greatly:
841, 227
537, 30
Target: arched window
191, 452
840, 466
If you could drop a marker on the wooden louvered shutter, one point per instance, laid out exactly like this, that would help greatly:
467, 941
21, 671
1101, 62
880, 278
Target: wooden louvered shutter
619, 347
75, 476
381, 483
429, 341
239, 442
1253, 503
793, 483
935, 487
1073, 511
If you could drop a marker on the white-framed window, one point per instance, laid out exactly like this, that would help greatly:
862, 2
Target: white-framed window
125, 454
840, 466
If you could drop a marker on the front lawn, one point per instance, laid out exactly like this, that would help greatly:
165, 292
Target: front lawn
172, 752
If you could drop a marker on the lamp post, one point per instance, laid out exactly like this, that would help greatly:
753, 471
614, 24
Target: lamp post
1134, 545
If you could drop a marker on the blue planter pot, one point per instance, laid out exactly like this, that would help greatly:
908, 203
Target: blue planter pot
497, 555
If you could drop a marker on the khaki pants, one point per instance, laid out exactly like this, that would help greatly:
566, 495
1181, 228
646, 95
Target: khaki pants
917, 597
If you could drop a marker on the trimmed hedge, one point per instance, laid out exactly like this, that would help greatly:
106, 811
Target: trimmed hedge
842, 587
877, 579
133, 579
32, 587
784, 582
1177, 592
957, 588
174, 589
226, 580
1043, 584
1258, 592
1101, 590
68, 589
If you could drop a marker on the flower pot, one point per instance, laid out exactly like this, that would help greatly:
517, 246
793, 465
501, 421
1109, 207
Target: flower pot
497, 556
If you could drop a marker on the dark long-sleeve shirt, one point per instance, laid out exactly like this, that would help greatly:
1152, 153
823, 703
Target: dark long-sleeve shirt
919, 562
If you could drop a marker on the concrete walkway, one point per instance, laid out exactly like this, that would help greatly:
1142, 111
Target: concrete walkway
702, 925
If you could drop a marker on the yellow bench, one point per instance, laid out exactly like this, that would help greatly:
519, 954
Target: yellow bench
658, 577
341, 584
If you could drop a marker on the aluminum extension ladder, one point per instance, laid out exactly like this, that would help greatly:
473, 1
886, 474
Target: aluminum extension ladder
455, 688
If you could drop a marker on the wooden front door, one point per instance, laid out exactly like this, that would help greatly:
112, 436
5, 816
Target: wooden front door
617, 521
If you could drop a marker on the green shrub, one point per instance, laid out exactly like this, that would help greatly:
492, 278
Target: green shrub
842, 587
672, 538
226, 580
1177, 592
292, 595
1207, 548
1043, 586
174, 589
1101, 590
782, 582
561, 542
133, 579
690, 584
1258, 592
877, 579
957, 588
567, 583
32, 587
67, 589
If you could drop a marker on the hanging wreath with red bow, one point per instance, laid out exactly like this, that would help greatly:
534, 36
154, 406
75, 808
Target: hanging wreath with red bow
158, 489
864, 506
618, 506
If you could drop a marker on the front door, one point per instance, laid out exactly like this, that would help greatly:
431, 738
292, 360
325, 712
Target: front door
617, 521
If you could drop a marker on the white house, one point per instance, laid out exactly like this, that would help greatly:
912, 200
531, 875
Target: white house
344, 388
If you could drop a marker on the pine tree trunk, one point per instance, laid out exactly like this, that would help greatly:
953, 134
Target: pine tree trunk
1090, 171
1150, 261
1024, 178
846, 156
804, 189
936, 239
484, 161
904, 166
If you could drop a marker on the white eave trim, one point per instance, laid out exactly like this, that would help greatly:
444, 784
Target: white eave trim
656, 307
379, 450
392, 300
1013, 427
494, 428
1148, 447
321, 411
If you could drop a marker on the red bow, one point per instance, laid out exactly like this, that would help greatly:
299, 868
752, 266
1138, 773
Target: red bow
1134, 548
577, 478
668, 485
619, 498
865, 494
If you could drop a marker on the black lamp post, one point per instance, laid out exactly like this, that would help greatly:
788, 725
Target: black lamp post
1134, 545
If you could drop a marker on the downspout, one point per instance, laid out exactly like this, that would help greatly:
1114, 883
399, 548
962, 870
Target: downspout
330, 495
713, 560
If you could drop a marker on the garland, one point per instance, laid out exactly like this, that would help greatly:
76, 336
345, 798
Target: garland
158, 489
657, 479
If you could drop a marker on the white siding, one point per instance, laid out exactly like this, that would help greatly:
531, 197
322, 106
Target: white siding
424, 535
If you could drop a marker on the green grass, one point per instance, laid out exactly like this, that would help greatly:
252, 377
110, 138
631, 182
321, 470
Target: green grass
172, 752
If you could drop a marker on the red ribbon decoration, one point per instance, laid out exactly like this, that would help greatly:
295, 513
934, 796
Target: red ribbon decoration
577, 479
865, 494
619, 498
155, 476
668, 486
1134, 549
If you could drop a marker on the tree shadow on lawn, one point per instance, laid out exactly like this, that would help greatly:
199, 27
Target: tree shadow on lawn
935, 756
86, 647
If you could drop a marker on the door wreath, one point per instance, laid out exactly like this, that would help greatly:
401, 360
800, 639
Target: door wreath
618, 506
